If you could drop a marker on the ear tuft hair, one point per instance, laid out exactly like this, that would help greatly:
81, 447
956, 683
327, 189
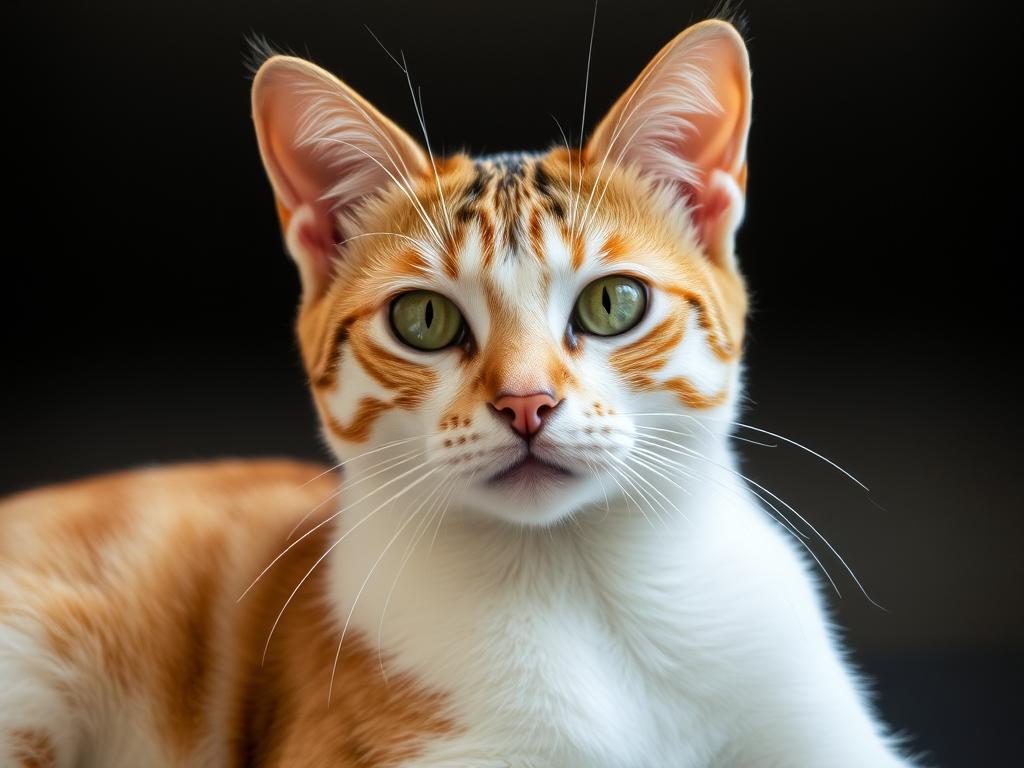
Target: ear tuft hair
730, 12
258, 50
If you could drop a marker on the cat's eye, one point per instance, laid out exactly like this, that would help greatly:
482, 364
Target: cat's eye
611, 305
426, 320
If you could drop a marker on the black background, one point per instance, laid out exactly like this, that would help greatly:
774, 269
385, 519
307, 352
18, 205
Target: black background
148, 303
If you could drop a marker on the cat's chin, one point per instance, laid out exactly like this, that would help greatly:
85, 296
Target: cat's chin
529, 475
532, 492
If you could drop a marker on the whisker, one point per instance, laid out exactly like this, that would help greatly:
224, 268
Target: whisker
418, 109
393, 443
438, 240
628, 495
783, 438
655, 470
693, 473
620, 124
421, 529
595, 470
394, 461
325, 521
369, 575
444, 509
586, 89
568, 151
801, 446
414, 240
331, 548
650, 485
782, 521
381, 134
588, 215
691, 434
804, 520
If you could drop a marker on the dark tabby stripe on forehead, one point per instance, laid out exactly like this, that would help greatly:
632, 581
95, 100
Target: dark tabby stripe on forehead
508, 194
542, 184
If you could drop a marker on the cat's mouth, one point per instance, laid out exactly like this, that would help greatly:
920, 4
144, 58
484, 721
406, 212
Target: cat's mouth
530, 469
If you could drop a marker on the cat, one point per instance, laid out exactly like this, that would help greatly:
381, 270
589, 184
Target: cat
536, 549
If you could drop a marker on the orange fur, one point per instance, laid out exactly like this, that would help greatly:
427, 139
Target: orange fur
33, 749
135, 578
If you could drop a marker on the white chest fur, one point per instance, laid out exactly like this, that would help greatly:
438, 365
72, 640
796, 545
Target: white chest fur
610, 640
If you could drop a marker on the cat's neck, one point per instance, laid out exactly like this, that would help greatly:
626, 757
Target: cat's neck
389, 557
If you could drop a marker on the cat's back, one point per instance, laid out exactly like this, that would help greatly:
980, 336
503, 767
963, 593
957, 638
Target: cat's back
124, 588
85, 531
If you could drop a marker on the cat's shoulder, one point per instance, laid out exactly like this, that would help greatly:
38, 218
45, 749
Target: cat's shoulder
221, 491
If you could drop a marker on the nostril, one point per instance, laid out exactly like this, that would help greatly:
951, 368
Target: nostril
506, 413
526, 413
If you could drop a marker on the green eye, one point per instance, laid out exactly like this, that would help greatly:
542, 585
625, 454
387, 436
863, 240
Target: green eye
426, 320
611, 305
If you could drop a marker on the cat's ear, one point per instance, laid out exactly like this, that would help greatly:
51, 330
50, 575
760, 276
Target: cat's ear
684, 122
325, 149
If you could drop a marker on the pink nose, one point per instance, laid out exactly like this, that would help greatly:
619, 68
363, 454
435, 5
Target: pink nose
528, 411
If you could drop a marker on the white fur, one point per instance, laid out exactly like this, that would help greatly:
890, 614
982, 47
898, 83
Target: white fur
568, 633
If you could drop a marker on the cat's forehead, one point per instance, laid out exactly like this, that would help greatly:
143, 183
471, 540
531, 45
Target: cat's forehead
511, 219
514, 237
509, 200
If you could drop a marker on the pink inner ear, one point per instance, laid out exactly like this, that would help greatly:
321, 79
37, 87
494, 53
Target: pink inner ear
684, 121
708, 210
717, 211
312, 233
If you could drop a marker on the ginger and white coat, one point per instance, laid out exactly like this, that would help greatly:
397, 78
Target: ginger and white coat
643, 609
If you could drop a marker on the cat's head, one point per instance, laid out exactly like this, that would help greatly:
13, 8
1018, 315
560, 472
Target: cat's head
521, 326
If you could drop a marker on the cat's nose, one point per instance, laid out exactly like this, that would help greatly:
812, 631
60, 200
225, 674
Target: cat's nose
527, 412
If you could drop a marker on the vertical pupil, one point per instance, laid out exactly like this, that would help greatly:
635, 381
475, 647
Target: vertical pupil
430, 312
606, 300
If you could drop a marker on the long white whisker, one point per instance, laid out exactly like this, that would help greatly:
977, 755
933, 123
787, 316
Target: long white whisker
690, 434
422, 527
620, 124
588, 215
418, 107
586, 89
663, 444
804, 520
568, 151
362, 587
782, 521
648, 465
627, 494
424, 247
783, 438
381, 134
794, 443
331, 548
650, 485
384, 447
438, 240
392, 462
444, 510
691, 472
325, 521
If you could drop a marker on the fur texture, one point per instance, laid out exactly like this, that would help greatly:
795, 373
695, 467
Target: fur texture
606, 593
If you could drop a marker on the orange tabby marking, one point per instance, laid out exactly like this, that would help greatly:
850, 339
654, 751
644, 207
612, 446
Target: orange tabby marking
33, 749
147, 604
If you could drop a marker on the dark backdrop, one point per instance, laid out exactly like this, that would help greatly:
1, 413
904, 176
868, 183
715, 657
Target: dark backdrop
148, 303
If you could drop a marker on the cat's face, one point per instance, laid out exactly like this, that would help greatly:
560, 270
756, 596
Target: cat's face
509, 329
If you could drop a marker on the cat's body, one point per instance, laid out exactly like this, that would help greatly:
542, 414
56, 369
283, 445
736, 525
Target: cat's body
541, 554
562, 655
